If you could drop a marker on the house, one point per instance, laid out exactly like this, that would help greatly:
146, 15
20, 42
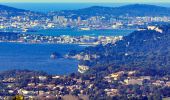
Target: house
82, 68
157, 29
42, 78
56, 77
131, 73
115, 76
168, 84
158, 83
111, 92
145, 78
133, 81
168, 98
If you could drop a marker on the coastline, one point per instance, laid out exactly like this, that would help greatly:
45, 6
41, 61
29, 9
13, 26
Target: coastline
80, 44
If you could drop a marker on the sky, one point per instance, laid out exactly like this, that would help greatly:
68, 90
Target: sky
88, 1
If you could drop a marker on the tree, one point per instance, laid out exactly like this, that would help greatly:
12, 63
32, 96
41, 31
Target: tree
18, 97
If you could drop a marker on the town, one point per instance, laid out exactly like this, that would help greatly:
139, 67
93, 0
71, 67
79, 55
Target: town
132, 82
63, 39
27, 23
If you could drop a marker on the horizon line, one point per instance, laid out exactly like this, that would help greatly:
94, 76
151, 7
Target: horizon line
93, 2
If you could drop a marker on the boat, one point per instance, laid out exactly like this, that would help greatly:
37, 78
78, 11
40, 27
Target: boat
85, 29
55, 55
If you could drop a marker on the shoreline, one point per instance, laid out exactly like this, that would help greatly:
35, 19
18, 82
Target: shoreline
81, 44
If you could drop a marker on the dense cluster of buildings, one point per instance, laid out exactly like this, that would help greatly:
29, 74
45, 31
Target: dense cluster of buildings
101, 22
128, 78
31, 23
57, 87
23, 23
63, 39
76, 87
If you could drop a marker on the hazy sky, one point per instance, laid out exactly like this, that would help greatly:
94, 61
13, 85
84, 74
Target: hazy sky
94, 1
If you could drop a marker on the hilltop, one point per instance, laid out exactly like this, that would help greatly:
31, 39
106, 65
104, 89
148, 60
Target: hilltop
146, 49
127, 10
11, 11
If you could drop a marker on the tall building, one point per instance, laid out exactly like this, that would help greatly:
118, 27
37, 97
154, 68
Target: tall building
55, 19
60, 19
79, 20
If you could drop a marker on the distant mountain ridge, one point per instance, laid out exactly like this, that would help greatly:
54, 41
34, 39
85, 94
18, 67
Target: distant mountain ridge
131, 10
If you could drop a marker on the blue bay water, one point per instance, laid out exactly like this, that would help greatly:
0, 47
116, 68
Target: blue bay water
37, 57
58, 32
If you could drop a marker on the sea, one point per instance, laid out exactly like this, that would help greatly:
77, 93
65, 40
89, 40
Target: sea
37, 57
94, 33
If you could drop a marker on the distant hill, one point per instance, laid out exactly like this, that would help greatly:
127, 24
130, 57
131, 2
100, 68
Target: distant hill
7, 8
11, 11
131, 10
147, 49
